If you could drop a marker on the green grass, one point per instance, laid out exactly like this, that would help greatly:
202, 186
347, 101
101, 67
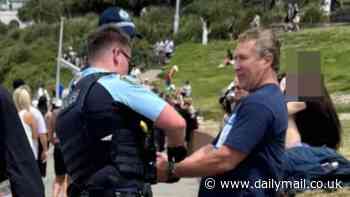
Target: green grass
342, 108
199, 64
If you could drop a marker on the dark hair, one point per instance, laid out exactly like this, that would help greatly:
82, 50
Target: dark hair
42, 105
319, 124
17, 83
280, 76
225, 102
104, 38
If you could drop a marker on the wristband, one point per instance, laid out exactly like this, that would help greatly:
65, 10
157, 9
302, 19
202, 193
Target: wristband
172, 178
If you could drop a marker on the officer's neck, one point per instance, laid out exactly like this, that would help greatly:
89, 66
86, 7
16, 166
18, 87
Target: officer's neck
103, 65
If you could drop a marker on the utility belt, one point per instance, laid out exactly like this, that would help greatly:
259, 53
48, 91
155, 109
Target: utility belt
101, 192
108, 182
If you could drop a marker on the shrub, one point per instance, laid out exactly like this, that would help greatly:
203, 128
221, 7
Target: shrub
19, 54
34, 32
142, 54
156, 23
313, 14
190, 29
3, 28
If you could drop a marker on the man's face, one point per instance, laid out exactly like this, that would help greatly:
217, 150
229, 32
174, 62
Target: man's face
249, 66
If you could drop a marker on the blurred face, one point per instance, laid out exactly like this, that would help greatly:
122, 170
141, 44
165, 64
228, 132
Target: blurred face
122, 57
239, 91
250, 67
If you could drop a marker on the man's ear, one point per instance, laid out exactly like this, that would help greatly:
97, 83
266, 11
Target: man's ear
268, 59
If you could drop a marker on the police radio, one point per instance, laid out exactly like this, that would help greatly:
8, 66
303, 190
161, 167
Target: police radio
150, 154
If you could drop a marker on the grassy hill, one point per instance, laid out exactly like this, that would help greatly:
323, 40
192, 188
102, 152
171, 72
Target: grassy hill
199, 64
30, 54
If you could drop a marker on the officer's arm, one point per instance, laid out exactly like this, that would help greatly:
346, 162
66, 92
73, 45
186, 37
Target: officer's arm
173, 125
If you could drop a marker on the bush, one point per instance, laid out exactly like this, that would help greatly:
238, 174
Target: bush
3, 28
190, 29
313, 14
19, 54
14, 34
142, 54
275, 15
34, 32
156, 24
242, 21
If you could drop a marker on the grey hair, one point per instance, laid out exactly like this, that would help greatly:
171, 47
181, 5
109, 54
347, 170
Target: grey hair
267, 43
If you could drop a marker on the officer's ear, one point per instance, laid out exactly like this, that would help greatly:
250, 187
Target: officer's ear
115, 52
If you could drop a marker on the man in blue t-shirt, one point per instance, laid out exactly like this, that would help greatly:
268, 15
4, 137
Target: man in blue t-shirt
250, 146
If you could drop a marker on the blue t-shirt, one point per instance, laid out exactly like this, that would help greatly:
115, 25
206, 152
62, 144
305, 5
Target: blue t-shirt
256, 128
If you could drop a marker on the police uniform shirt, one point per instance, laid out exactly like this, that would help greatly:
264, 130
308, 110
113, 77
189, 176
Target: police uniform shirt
128, 91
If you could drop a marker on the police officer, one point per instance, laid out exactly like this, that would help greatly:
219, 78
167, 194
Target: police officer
104, 127
16, 158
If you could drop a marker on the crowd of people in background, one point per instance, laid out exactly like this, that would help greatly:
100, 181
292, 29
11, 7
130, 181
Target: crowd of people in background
164, 50
181, 99
292, 18
73, 57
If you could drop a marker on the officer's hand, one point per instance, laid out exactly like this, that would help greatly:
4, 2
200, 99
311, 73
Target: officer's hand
162, 167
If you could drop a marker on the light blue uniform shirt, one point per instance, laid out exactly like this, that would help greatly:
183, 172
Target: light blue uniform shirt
127, 90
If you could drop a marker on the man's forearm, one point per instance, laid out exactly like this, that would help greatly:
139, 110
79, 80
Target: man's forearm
204, 162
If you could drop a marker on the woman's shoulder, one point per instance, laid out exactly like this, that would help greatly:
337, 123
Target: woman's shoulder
27, 116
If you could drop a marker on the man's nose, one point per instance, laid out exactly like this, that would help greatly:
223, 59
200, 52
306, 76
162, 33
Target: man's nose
237, 66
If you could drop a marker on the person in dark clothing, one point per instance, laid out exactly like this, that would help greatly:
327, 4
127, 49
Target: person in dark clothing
189, 114
43, 108
17, 162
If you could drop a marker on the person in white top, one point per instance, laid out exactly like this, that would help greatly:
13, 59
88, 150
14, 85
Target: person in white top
22, 101
41, 127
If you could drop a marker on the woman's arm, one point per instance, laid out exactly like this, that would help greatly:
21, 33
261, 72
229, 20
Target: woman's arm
295, 107
49, 123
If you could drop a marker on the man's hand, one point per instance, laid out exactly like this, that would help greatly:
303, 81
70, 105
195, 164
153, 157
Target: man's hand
162, 167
